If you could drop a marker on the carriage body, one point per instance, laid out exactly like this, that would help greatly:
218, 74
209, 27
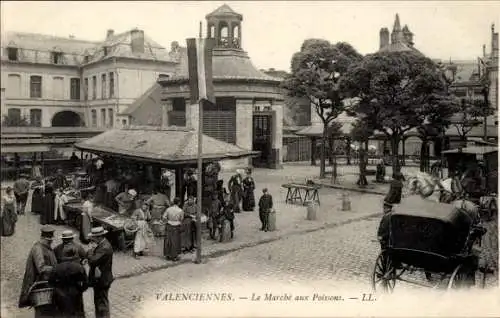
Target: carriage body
429, 237
433, 236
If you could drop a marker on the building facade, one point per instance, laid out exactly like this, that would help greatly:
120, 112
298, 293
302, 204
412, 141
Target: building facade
249, 103
53, 81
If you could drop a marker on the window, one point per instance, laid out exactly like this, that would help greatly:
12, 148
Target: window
14, 115
56, 57
86, 88
103, 117
13, 86
177, 116
111, 117
103, 86
86, 59
75, 89
58, 88
111, 85
94, 117
36, 117
12, 53
94, 87
35, 86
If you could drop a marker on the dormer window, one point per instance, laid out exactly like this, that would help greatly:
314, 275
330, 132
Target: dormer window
12, 53
56, 57
86, 59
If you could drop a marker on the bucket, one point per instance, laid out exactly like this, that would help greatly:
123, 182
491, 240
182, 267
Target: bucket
311, 211
271, 220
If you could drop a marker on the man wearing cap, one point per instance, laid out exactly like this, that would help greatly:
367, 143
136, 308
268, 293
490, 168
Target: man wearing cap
67, 238
100, 258
21, 189
126, 201
39, 265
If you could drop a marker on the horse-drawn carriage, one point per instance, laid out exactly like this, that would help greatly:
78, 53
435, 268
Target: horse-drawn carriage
476, 168
435, 239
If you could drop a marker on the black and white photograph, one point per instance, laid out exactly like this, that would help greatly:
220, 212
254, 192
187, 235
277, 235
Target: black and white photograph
249, 159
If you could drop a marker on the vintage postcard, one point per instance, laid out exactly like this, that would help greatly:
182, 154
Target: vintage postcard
249, 159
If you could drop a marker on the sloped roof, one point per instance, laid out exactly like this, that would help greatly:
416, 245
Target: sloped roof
223, 11
227, 65
154, 92
43, 42
167, 146
399, 47
465, 70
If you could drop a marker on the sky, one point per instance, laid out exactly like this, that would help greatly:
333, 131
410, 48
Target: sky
271, 30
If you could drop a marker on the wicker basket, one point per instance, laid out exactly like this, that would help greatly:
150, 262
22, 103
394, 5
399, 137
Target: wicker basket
158, 228
41, 294
130, 228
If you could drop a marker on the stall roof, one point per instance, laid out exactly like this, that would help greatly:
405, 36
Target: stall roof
167, 145
24, 148
473, 150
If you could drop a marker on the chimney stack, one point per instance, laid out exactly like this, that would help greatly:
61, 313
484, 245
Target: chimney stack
137, 41
110, 34
384, 37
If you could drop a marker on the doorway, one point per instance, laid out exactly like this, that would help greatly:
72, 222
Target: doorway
262, 139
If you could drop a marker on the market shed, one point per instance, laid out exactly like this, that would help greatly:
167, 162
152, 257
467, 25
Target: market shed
172, 148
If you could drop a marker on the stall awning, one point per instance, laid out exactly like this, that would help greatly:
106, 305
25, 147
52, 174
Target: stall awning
24, 148
164, 146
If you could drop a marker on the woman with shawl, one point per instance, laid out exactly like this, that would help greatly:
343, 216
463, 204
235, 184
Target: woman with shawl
248, 200
143, 236
8, 214
47, 215
37, 197
235, 188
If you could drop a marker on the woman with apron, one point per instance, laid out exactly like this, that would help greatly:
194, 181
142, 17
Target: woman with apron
86, 223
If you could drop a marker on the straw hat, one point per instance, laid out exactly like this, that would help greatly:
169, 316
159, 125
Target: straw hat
68, 234
98, 231
132, 192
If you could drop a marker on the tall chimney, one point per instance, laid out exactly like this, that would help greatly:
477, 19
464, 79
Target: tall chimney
137, 41
110, 34
384, 37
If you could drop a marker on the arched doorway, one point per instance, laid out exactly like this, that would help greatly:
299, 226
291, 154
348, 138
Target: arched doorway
67, 119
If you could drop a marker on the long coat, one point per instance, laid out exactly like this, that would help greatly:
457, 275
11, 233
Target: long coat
101, 258
39, 264
70, 281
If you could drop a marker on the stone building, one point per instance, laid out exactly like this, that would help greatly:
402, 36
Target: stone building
249, 103
56, 81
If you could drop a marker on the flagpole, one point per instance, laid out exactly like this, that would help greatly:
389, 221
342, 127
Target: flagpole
200, 177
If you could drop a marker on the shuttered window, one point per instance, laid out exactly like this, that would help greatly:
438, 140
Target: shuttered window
219, 121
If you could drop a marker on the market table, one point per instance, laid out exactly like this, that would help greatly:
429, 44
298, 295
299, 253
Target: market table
294, 193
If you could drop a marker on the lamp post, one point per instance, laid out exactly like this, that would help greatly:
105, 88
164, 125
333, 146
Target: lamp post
449, 73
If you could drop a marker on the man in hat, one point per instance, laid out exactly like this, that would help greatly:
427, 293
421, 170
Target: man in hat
126, 201
60, 181
21, 189
395, 192
100, 259
39, 265
265, 207
68, 241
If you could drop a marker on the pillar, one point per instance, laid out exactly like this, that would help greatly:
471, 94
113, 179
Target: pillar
166, 106
179, 183
192, 115
313, 151
244, 125
277, 144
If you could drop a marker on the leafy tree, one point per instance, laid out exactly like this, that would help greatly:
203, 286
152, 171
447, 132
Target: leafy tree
15, 121
361, 131
316, 70
470, 113
396, 91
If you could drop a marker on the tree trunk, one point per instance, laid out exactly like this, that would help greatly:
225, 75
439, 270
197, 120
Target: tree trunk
423, 155
334, 163
348, 150
396, 168
323, 152
313, 151
330, 153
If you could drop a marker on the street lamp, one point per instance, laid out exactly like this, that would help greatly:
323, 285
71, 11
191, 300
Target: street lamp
449, 72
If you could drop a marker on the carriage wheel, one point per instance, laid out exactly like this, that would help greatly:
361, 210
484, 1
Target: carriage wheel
384, 274
459, 278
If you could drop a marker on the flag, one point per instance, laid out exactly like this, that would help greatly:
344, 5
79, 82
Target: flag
200, 69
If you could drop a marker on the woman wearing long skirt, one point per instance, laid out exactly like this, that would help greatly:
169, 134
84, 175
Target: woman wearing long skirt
37, 197
47, 215
8, 213
172, 244
248, 199
235, 188
86, 218
143, 236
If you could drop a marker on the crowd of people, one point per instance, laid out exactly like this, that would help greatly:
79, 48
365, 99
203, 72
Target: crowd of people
69, 269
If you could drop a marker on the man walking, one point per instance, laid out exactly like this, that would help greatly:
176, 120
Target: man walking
100, 259
265, 206
40, 263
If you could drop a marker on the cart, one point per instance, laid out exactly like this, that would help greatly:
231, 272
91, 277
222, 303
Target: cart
481, 161
430, 238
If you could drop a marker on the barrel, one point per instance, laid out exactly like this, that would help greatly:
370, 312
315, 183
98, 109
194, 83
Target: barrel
271, 220
311, 211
